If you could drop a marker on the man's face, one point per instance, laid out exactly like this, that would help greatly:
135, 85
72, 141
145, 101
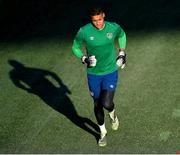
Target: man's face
98, 21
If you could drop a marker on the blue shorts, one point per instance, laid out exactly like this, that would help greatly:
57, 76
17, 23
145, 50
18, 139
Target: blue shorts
102, 82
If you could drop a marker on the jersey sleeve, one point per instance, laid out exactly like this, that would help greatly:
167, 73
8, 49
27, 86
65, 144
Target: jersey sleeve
78, 44
121, 36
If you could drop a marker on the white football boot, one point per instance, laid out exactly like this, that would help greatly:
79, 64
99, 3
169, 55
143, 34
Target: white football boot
102, 140
114, 120
115, 124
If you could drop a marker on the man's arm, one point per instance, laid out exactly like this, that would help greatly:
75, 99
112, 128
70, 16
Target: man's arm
78, 44
76, 49
121, 59
122, 39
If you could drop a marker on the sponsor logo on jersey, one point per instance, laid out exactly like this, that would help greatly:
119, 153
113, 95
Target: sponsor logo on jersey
109, 35
91, 38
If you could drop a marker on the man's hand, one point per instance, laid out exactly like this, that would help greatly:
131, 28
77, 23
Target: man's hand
121, 59
89, 61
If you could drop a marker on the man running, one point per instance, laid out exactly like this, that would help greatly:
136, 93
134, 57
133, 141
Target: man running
102, 64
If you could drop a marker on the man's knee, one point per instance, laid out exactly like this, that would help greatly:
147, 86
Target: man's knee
106, 99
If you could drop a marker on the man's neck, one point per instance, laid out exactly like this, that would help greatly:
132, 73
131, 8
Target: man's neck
102, 27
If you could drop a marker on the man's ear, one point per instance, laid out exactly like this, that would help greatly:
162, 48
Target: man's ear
103, 14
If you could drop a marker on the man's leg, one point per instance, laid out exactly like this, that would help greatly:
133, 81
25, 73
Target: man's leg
94, 83
99, 113
106, 99
107, 95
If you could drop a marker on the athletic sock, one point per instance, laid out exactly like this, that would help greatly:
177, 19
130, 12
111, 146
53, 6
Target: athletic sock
103, 129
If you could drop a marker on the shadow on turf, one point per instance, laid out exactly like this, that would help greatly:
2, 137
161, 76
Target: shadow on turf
37, 81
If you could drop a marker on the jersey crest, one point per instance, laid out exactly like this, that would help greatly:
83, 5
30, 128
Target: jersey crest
109, 35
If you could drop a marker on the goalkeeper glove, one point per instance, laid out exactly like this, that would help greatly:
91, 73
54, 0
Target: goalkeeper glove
89, 61
121, 59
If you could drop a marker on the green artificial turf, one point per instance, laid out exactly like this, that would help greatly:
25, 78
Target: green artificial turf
147, 98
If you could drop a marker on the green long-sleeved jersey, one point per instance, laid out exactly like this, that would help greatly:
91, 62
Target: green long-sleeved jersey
101, 44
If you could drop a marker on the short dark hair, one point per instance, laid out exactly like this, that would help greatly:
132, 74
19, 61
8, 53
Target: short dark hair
96, 11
